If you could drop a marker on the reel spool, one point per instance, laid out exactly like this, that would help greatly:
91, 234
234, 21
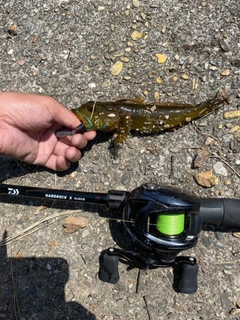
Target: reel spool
170, 225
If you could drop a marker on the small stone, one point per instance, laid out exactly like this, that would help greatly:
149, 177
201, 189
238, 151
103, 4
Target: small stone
85, 233
235, 311
21, 62
12, 30
106, 84
231, 114
156, 96
116, 68
100, 8
209, 141
92, 85
214, 68
228, 182
124, 59
220, 169
236, 63
159, 80
73, 224
136, 35
184, 76
194, 84
173, 79
225, 72
236, 234
64, 54
126, 177
224, 46
136, 3
73, 174
10, 51
95, 169
161, 57
207, 241
206, 179
219, 245
200, 158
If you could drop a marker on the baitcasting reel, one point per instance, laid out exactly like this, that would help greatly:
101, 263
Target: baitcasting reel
161, 221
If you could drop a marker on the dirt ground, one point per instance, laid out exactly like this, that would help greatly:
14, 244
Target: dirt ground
77, 51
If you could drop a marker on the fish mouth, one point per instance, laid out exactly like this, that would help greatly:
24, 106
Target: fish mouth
86, 121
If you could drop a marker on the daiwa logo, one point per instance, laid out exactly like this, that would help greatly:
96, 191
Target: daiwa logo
13, 191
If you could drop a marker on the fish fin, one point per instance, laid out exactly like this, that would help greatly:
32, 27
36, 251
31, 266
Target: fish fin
124, 127
137, 100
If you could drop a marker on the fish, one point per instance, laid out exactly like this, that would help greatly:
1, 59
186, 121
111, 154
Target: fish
123, 116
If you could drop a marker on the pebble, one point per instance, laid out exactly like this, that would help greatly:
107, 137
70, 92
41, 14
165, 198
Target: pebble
200, 158
235, 311
184, 76
225, 72
218, 235
136, 35
209, 141
136, 3
126, 177
219, 245
159, 80
220, 169
21, 62
206, 179
207, 241
161, 57
116, 68
100, 8
236, 63
231, 114
106, 83
156, 96
64, 54
10, 51
95, 169
224, 46
85, 233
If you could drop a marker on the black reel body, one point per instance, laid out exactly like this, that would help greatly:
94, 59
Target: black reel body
162, 222
147, 204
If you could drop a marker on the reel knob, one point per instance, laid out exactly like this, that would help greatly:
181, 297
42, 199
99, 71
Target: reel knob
150, 186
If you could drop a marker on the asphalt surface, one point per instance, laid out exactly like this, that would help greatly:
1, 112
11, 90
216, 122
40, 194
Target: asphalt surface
76, 51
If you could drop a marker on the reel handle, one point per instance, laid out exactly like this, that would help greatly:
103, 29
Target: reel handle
186, 277
220, 212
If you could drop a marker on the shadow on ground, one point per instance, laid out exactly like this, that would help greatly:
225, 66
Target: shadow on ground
33, 288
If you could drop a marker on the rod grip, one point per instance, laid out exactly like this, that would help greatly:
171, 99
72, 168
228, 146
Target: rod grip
220, 212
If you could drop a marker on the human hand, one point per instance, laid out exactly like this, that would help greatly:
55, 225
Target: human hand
28, 123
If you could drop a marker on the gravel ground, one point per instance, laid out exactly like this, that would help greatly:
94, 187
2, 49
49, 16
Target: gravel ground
77, 51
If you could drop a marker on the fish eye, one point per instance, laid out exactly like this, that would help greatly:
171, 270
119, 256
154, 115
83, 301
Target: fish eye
90, 109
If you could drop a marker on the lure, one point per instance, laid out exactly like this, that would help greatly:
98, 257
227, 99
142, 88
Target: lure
124, 115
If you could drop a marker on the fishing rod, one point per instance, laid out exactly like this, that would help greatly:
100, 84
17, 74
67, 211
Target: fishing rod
161, 221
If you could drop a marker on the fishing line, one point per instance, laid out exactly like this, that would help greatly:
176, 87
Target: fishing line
167, 224
170, 224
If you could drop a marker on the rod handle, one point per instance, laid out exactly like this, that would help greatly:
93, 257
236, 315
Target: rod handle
220, 212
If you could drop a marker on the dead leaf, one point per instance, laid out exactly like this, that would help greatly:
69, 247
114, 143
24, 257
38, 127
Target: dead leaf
73, 224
